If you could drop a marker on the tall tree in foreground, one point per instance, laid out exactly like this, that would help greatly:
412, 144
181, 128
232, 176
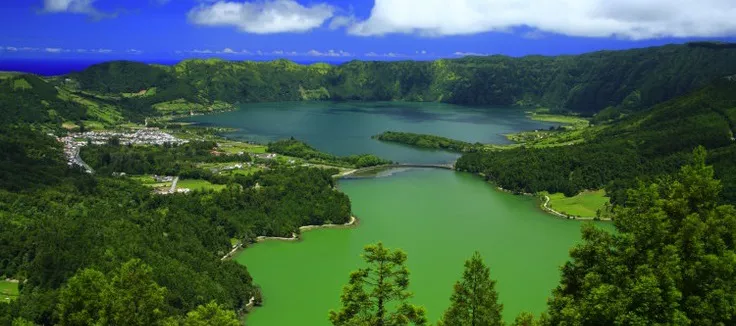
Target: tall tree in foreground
474, 301
377, 295
672, 261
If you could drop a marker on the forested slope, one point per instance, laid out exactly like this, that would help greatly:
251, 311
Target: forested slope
71, 238
625, 81
644, 145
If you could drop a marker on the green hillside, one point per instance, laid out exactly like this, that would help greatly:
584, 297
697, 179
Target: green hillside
620, 81
645, 145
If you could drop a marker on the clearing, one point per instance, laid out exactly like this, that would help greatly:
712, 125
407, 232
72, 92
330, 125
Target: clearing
584, 204
8, 291
198, 184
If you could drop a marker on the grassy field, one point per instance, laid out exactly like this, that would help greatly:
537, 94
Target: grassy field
564, 119
585, 204
197, 184
234, 147
149, 181
8, 290
243, 171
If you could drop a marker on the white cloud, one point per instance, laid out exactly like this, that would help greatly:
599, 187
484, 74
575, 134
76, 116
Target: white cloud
104, 51
74, 6
329, 53
134, 51
385, 55
228, 51
19, 49
630, 19
262, 17
54, 50
463, 54
341, 21
534, 35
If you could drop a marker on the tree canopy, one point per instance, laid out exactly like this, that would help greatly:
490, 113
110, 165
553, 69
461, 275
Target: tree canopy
378, 294
474, 300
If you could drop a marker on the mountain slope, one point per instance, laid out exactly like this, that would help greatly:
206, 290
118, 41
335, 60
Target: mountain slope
627, 80
644, 145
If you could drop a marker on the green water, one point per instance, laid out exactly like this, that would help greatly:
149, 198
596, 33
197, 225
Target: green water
439, 218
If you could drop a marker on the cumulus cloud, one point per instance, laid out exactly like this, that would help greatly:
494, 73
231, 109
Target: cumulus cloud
630, 19
328, 53
341, 21
262, 17
74, 6
134, 51
54, 50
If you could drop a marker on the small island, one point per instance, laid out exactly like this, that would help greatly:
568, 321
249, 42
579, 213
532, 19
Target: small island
428, 141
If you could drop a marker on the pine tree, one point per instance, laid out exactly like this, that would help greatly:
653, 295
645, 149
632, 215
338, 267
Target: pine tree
377, 295
474, 301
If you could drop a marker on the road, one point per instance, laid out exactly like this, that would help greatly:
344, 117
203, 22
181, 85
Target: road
78, 160
173, 185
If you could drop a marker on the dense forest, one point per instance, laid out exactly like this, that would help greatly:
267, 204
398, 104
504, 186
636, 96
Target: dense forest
59, 224
620, 81
643, 146
427, 141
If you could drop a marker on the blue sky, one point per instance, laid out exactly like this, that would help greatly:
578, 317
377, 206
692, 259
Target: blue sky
334, 30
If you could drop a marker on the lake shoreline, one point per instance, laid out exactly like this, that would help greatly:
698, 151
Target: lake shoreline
294, 237
544, 203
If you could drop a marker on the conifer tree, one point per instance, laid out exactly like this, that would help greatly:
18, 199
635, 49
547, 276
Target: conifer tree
377, 295
474, 301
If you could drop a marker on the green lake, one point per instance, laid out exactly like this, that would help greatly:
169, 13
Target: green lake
438, 217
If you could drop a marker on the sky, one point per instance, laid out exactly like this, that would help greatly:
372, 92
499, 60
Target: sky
342, 30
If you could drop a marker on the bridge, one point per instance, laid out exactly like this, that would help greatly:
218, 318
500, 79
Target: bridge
448, 166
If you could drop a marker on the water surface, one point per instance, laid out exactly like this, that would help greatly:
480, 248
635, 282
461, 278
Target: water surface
346, 128
439, 218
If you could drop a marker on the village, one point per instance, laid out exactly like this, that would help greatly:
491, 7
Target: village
149, 136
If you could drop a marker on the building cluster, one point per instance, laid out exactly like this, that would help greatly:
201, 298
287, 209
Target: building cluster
150, 136
266, 156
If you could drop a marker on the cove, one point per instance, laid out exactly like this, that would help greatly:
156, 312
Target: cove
439, 218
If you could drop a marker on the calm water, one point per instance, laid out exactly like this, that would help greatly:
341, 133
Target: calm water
346, 128
438, 217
